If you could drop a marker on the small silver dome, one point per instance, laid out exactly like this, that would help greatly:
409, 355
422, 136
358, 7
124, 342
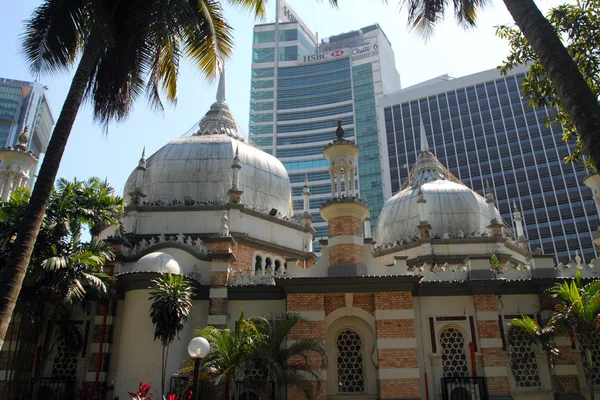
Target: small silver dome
157, 262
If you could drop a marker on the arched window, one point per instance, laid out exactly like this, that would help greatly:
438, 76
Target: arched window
523, 362
258, 264
268, 263
454, 359
277, 265
350, 369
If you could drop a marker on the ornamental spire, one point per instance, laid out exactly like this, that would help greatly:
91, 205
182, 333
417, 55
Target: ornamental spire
424, 144
221, 88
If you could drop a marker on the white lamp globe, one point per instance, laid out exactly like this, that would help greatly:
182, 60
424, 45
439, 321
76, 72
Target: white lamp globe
198, 347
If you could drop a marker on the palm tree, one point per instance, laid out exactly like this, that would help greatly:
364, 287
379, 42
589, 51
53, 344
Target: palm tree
125, 48
287, 363
64, 271
171, 298
229, 354
577, 97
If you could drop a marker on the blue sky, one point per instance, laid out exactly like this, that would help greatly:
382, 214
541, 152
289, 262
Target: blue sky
114, 155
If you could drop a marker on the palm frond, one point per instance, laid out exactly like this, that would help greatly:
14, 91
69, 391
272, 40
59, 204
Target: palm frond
53, 35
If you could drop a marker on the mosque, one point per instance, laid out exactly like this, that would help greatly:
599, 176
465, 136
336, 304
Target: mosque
426, 298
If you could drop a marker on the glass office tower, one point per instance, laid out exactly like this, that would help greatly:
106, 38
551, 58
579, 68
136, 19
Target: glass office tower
24, 104
301, 87
483, 130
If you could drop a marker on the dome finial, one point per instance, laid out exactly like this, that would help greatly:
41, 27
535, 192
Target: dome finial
142, 162
23, 139
221, 88
489, 195
340, 131
424, 144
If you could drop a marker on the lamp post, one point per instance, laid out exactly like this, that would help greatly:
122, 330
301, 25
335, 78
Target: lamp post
197, 349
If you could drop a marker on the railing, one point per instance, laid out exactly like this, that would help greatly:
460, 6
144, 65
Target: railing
464, 388
52, 389
181, 386
251, 391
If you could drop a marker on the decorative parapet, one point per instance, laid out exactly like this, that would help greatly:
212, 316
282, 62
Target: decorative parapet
146, 243
251, 277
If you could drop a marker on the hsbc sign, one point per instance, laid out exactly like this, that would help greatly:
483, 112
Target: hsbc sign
323, 56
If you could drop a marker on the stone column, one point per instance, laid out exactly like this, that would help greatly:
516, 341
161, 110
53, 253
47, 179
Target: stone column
339, 173
353, 182
494, 365
332, 175
398, 374
7, 187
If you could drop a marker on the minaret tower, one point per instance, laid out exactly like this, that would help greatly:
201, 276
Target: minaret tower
345, 212
16, 165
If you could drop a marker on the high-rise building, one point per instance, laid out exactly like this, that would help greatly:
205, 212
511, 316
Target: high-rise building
24, 104
301, 87
485, 131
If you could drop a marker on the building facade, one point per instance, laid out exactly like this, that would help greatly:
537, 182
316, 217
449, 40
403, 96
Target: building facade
419, 311
24, 104
485, 131
301, 87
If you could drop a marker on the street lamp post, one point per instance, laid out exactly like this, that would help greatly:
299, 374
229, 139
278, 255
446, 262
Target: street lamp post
197, 349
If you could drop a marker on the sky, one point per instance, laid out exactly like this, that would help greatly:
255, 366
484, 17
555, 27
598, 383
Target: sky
114, 154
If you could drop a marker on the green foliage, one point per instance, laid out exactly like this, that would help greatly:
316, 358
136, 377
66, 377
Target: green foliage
171, 298
136, 45
541, 337
424, 15
495, 263
261, 343
230, 351
578, 25
171, 306
287, 364
63, 269
579, 307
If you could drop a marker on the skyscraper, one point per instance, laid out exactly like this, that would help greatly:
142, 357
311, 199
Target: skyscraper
485, 131
24, 104
300, 87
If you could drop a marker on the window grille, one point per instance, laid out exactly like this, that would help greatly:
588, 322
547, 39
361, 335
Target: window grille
454, 359
350, 362
64, 365
591, 350
523, 361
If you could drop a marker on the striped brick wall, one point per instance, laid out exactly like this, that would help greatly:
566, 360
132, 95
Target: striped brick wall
312, 307
398, 373
493, 361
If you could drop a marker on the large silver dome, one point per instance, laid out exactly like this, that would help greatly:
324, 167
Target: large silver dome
197, 168
451, 208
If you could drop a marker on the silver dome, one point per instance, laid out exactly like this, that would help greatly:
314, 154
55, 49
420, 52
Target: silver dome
450, 208
197, 168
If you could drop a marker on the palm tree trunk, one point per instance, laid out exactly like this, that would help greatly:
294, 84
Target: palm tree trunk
11, 277
572, 89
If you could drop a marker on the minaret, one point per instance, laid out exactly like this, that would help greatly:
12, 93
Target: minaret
523, 242
138, 193
234, 192
345, 212
306, 216
496, 227
16, 165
